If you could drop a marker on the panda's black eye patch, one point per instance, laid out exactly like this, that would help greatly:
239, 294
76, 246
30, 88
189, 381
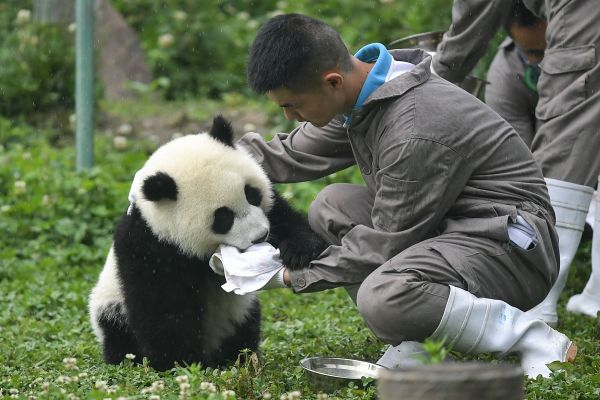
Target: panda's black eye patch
253, 195
223, 220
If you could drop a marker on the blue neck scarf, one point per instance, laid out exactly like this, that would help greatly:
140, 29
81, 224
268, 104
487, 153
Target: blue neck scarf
383, 61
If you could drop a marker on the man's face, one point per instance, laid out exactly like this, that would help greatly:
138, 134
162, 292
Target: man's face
531, 40
316, 106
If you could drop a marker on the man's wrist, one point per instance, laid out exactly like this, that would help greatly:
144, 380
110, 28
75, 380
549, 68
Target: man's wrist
286, 277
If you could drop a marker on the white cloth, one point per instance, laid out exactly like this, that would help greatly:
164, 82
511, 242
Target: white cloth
522, 234
258, 267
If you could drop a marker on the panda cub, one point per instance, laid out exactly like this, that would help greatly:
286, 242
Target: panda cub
156, 296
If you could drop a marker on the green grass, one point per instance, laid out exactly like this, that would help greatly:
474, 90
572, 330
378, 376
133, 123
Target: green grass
56, 228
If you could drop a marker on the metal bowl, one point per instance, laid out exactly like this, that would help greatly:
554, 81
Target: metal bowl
426, 41
330, 373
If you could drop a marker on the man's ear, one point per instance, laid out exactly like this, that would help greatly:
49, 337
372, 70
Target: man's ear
333, 80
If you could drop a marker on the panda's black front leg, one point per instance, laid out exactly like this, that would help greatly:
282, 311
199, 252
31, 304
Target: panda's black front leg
291, 233
169, 337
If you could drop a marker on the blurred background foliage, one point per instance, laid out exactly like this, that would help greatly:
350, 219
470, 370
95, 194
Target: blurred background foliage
37, 62
195, 49
201, 47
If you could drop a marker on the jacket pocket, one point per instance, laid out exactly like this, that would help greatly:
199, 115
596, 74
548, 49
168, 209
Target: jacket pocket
395, 202
562, 84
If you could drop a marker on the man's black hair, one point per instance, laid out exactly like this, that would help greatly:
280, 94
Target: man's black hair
520, 15
292, 51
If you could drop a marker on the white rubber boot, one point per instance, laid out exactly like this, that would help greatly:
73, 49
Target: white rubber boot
588, 302
591, 215
474, 325
571, 203
406, 354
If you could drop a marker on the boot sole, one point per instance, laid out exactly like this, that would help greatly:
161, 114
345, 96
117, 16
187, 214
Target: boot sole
571, 353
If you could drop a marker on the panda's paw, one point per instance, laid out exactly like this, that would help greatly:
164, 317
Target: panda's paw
298, 252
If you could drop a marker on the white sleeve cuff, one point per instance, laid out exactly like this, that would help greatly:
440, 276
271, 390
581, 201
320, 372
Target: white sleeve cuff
276, 282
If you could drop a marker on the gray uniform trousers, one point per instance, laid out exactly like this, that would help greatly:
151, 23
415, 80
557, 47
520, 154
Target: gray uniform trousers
404, 298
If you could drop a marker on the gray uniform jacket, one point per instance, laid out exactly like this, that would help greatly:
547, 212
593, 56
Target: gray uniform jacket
436, 159
507, 94
474, 24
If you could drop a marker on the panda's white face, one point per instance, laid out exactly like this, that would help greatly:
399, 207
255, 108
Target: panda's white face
197, 193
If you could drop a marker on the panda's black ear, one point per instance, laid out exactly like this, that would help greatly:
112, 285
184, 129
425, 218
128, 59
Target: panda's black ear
222, 130
159, 186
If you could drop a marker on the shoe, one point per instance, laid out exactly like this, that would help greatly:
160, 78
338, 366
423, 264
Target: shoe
406, 354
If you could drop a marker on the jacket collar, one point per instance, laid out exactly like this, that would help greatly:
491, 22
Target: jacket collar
405, 82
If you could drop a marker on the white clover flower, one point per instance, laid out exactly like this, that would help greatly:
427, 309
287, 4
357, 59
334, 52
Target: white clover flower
154, 397
182, 379
70, 362
322, 396
166, 40
82, 375
284, 397
63, 391
267, 396
13, 391
130, 356
208, 387
45, 386
63, 379
72, 396
228, 393
180, 15
158, 385
125, 129
23, 17
101, 385
295, 395
20, 186
249, 127
120, 143
72, 27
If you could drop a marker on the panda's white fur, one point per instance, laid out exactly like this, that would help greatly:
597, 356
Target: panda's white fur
157, 296
224, 172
